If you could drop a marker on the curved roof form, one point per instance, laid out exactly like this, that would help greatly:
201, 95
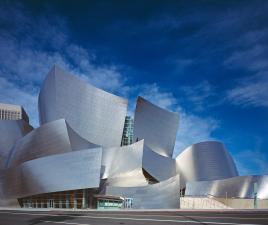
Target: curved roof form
205, 161
11, 131
122, 166
52, 138
163, 195
159, 167
94, 114
236, 187
61, 172
158, 127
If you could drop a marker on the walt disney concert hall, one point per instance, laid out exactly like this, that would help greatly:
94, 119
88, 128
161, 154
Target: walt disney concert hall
76, 157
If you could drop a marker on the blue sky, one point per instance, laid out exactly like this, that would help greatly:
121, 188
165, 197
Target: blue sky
208, 60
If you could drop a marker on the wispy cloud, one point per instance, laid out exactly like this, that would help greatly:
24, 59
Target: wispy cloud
194, 129
250, 91
29, 49
199, 95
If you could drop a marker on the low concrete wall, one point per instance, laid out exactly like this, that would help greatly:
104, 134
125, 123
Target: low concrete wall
201, 203
237, 203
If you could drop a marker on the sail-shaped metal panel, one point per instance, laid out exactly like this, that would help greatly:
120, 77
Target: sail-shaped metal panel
94, 114
163, 195
54, 173
158, 127
235, 187
10, 132
205, 161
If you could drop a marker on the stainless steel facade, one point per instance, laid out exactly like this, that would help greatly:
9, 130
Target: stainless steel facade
52, 138
77, 147
158, 127
158, 166
236, 187
163, 195
11, 131
122, 166
205, 161
61, 172
94, 114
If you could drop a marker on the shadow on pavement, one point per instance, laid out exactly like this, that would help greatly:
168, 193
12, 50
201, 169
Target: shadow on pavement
50, 218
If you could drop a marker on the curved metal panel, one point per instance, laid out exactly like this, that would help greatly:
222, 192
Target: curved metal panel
158, 166
62, 172
11, 131
205, 161
163, 195
122, 166
236, 187
94, 114
52, 138
158, 127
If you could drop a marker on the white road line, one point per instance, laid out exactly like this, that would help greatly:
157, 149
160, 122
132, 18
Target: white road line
47, 221
128, 218
175, 216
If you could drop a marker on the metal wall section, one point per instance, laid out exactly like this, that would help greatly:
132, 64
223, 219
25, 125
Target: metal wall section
236, 187
62, 172
94, 114
47, 99
157, 126
52, 138
163, 195
122, 166
205, 161
158, 166
10, 132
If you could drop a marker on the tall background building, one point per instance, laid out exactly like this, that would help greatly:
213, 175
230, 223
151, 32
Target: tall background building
127, 137
12, 112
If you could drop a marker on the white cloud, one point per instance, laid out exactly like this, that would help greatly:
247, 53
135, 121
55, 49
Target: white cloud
24, 64
198, 94
153, 93
251, 91
193, 129
253, 59
29, 49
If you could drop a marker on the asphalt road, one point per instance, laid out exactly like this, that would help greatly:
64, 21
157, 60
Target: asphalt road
131, 218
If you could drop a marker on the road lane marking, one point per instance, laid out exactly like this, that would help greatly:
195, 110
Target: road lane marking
129, 218
47, 221
174, 216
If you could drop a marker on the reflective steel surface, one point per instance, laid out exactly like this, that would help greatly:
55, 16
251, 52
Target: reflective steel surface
158, 127
163, 195
61, 172
158, 166
236, 187
52, 138
77, 146
205, 161
122, 166
94, 114
10, 132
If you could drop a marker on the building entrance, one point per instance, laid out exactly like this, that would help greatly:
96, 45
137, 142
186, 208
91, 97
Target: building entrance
50, 203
